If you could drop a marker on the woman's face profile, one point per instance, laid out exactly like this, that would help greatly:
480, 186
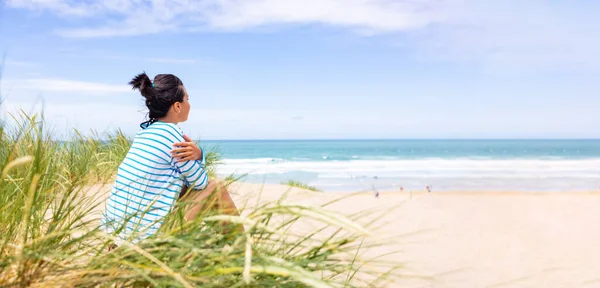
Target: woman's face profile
185, 107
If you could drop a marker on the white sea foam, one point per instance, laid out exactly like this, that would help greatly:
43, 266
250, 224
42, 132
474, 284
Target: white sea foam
432, 167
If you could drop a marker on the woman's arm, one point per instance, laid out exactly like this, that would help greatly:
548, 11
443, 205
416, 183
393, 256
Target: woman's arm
194, 174
190, 160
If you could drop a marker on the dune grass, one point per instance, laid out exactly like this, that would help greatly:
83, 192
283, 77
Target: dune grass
298, 184
49, 233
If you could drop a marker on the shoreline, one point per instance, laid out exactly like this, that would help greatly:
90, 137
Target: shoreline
433, 192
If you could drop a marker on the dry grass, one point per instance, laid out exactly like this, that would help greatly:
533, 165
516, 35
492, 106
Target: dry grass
298, 184
49, 239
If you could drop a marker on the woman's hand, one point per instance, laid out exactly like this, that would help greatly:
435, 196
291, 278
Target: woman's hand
186, 151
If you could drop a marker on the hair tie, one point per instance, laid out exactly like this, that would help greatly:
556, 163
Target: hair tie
145, 124
152, 85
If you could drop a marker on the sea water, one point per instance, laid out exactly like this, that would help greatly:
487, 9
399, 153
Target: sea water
384, 165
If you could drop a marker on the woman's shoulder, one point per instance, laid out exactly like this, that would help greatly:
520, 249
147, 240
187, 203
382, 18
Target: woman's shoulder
169, 130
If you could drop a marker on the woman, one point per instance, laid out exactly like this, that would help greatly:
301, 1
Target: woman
161, 164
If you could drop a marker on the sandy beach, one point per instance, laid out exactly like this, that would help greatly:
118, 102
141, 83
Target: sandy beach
466, 239
470, 239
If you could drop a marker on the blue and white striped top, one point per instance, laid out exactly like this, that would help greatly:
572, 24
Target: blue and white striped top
149, 181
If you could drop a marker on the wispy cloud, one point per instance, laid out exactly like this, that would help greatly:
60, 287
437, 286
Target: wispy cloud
272, 123
62, 118
511, 32
168, 60
135, 17
516, 34
14, 63
62, 85
75, 8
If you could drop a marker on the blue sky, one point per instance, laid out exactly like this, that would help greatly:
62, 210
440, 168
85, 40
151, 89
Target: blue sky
281, 69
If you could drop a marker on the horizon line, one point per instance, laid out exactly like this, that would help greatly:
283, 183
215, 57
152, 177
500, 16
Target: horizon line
392, 139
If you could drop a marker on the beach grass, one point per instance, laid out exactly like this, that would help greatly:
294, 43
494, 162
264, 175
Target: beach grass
298, 184
50, 235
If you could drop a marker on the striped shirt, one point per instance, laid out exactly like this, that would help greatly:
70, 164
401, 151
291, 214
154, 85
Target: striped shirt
149, 181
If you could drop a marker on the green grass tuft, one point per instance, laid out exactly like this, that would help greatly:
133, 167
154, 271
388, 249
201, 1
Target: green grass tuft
298, 184
49, 233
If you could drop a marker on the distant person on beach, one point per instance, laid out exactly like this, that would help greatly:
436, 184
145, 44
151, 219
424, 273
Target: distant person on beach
162, 166
428, 188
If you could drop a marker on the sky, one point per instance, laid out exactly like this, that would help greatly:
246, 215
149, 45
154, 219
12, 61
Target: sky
310, 69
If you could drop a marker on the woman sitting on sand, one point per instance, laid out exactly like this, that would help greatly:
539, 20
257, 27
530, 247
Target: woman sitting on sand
161, 164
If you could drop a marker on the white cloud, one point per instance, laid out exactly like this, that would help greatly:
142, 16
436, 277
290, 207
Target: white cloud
373, 15
75, 8
517, 34
63, 86
211, 123
62, 119
140, 17
206, 124
100, 54
26, 64
508, 33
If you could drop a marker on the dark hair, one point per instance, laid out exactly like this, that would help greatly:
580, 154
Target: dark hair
160, 94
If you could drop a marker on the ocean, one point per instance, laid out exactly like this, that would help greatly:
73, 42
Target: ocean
388, 165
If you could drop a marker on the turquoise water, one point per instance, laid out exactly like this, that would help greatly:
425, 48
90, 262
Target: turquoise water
359, 165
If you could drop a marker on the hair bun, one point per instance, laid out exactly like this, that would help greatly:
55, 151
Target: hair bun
143, 83
159, 100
